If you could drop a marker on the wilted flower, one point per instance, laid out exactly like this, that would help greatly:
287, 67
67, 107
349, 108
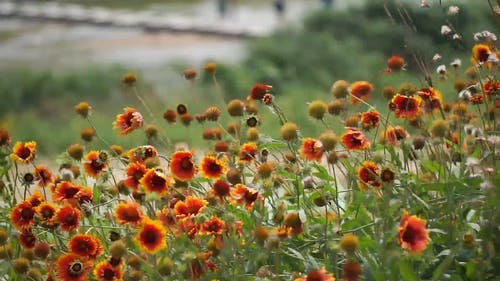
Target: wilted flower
446, 30
441, 70
453, 10
456, 63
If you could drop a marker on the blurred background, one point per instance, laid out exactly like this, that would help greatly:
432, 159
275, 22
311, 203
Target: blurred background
54, 54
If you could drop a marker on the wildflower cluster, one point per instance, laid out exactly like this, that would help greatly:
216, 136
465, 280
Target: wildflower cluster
401, 192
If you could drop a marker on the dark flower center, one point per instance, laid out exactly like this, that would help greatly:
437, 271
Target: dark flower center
24, 153
158, 181
27, 213
186, 163
149, 237
76, 268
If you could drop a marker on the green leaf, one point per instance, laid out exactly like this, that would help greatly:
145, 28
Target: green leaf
96, 195
407, 271
442, 267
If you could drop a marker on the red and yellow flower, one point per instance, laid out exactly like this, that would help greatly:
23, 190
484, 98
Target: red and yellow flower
156, 181
258, 91
128, 213
36, 198
68, 218
190, 207
65, 190
214, 226
151, 237
23, 215
393, 135
86, 246
94, 164
128, 121
104, 271
212, 168
370, 120
412, 234
43, 176
368, 174
46, 212
248, 152
182, 166
312, 149
135, 171
481, 53
243, 194
317, 275
354, 139
360, 90
405, 107
221, 189
72, 267
23, 153
432, 99
141, 153
27, 239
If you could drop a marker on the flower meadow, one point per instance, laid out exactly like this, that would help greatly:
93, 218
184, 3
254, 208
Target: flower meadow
405, 192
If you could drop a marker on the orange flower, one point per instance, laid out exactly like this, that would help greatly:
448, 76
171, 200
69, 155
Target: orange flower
431, 98
412, 234
46, 212
95, 163
312, 149
68, 217
214, 226
360, 90
84, 196
394, 134
370, 120
71, 267
368, 174
317, 275
182, 165
190, 207
395, 63
104, 271
491, 87
65, 190
155, 181
23, 215
35, 199
43, 176
212, 168
258, 91
4, 138
248, 152
152, 236
85, 246
244, 194
354, 139
23, 153
27, 239
128, 213
405, 107
351, 271
141, 153
128, 121
481, 53
221, 189
135, 172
